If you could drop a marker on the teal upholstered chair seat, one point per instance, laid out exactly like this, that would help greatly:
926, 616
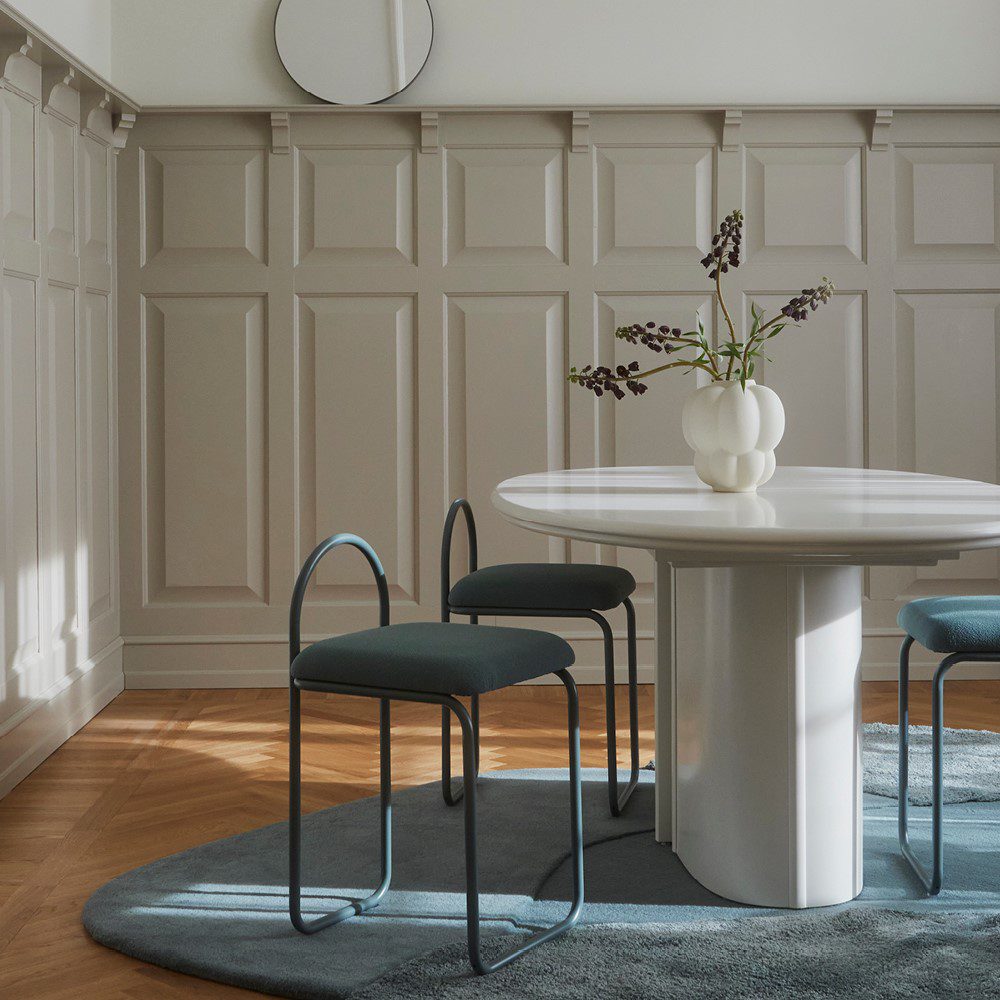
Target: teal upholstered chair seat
551, 586
954, 624
434, 657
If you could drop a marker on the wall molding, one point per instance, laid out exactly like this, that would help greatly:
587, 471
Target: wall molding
280, 132
478, 109
59, 713
165, 662
45, 50
59, 565
731, 121
510, 252
428, 131
124, 123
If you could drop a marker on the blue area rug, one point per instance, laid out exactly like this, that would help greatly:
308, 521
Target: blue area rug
219, 910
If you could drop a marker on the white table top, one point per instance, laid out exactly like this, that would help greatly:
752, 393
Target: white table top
803, 514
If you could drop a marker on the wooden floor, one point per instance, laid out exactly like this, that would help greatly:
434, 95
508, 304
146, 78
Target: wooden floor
160, 771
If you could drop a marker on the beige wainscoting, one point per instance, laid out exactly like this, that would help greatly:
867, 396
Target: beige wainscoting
60, 636
338, 320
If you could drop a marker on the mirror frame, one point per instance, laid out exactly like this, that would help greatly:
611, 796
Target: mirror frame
338, 104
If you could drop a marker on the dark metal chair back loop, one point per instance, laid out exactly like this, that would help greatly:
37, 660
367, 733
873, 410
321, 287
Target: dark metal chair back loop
305, 574
461, 504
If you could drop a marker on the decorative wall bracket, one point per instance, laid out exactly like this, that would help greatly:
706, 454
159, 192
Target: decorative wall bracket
281, 132
428, 131
61, 87
95, 117
881, 124
22, 74
123, 124
731, 122
580, 139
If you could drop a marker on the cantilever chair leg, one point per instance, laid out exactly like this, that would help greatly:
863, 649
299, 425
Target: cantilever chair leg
452, 797
633, 705
355, 906
451, 704
932, 880
469, 743
618, 800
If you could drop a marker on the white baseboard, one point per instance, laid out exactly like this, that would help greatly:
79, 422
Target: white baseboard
157, 662
925, 671
37, 732
180, 679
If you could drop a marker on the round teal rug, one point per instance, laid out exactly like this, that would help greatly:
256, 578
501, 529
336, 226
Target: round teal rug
649, 930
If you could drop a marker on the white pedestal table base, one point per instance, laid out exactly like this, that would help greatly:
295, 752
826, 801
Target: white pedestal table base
759, 708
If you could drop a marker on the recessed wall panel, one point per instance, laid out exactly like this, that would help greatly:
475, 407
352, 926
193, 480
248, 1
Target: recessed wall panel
60, 402
505, 407
98, 476
645, 430
947, 203
654, 204
356, 391
18, 484
205, 448
204, 206
947, 379
60, 191
17, 165
505, 205
818, 369
96, 217
804, 203
355, 206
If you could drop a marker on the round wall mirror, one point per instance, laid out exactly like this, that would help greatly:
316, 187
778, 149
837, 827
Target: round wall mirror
353, 51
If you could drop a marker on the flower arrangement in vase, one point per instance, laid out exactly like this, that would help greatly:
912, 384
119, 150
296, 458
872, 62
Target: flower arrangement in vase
732, 424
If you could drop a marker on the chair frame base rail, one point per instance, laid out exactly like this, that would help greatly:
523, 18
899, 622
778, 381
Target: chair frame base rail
449, 704
617, 800
931, 880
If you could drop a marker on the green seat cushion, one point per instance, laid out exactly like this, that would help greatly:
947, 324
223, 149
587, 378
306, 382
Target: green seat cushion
435, 657
559, 586
954, 624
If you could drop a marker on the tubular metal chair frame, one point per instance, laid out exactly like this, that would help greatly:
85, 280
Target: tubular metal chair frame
933, 880
616, 800
448, 704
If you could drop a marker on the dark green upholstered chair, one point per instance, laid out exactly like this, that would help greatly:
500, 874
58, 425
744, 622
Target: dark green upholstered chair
967, 629
429, 662
544, 590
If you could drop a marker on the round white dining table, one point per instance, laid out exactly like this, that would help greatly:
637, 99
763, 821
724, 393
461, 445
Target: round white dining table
758, 649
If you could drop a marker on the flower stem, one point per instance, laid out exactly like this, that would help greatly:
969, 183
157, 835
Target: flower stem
722, 303
663, 368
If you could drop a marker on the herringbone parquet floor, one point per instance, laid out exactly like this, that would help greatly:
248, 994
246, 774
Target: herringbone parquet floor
159, 771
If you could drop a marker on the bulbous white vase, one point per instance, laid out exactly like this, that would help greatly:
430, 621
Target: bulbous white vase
733, 432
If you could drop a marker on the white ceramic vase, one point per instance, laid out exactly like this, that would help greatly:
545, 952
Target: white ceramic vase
733, 432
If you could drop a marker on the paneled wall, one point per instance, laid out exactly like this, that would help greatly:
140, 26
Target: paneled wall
60, 645
338, 320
